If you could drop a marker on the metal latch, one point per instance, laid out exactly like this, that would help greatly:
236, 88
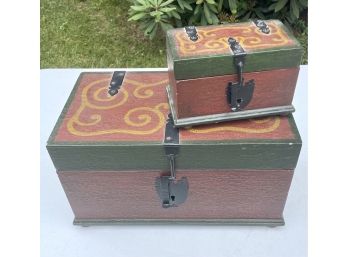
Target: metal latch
262, 26
191, 33
171, 190
116, 82
239, 94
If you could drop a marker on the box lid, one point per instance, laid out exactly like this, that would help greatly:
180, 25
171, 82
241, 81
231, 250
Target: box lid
96, 131
211, 55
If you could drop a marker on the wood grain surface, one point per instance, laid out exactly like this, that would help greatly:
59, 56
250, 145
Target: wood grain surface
207, 96
213, 194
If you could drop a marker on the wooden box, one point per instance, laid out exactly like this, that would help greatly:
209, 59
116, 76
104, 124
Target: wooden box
120, 159
233, 71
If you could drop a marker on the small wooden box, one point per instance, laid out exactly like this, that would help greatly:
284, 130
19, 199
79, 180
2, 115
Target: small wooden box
233, 71
120, 159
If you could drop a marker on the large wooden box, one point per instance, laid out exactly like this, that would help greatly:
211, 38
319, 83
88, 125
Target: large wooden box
232, 71
115, 157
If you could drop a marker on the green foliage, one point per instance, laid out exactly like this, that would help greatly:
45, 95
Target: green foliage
287, 10
205, 13
153, 14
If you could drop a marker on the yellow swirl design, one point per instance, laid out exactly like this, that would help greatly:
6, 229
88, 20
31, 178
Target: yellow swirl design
143, 120
137, 117
140, 86
271, 128
249, 37
96, 97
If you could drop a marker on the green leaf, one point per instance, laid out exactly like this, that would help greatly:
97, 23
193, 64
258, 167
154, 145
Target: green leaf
199, 1
220, 5
137, 16
187, 6
166, 26
176, 15
138, 7
149, 28
207, 14
156, 13
203, 20
211, 2
191, 20
153, 32
142, 2
233, 6
304, 3
272, 6
213, 8
215, 19
280, 5
247, 16
167, 9
294, 8
198, 10
167, 2
181, 4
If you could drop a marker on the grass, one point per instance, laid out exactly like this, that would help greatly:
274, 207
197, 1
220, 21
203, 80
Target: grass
95, 33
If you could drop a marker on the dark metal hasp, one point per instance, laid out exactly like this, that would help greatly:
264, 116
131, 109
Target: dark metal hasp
171, 191
171, 137
262, 26
116, 82
191, 33
239, 94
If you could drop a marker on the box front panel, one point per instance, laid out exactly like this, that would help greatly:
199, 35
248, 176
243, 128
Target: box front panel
207, 96
213, 194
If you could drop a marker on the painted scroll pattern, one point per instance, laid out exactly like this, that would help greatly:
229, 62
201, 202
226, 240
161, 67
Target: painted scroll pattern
138, 112
140, 120
214, 40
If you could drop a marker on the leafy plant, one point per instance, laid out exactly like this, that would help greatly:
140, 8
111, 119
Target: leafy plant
288, 10
154, 14
205, 13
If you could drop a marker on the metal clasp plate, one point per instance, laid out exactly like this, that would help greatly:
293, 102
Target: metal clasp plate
116, 82
191, 33
172, 191
239, 94
262, 26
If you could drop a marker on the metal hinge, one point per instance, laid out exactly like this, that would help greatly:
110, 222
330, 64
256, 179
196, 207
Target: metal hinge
239, 94
262, 26
171, 190
191, 33
116, 82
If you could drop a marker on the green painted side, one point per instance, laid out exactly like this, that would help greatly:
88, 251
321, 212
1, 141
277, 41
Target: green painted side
123, 156
108, 157
195, 156
217, 65
239, 156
